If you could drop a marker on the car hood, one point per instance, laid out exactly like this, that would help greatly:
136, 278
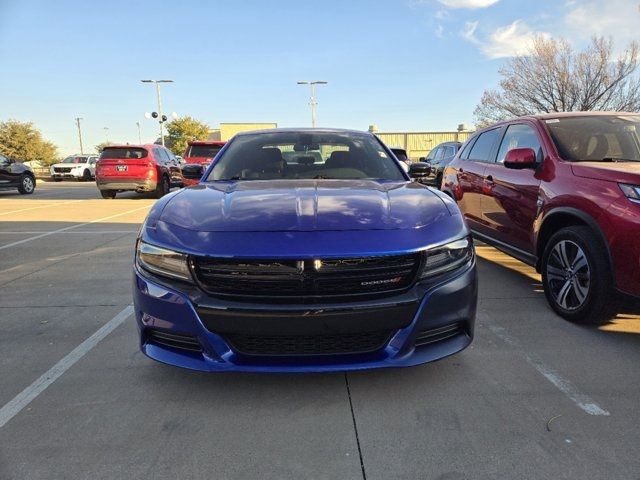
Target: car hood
621, 172
304, 205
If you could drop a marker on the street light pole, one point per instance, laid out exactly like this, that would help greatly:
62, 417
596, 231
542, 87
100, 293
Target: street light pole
80, 134
139, 134
312, 99
106, 133
161, 117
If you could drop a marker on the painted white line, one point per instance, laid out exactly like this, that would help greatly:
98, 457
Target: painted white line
565, 386
25, 397
83, 232
41, 206
72, 227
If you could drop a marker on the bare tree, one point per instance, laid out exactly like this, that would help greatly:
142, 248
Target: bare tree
555, 78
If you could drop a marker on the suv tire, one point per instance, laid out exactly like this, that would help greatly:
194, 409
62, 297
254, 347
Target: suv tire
163, 187
27, 184
577, 276
109, 194
86, 176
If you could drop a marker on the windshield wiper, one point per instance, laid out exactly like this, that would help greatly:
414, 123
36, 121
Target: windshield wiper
618, 159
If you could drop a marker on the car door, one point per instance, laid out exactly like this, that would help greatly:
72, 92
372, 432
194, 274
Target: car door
174, 167
470, 177
509, 202
7, 176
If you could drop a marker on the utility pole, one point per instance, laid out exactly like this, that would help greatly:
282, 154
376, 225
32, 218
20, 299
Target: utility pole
312, 99
106, 133
80, 134
139, 134
162, 118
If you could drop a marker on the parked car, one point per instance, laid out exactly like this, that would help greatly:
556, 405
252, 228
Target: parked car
271, 266
141, 168
199, 153
16, 175
439, 157
75, 167
560, 192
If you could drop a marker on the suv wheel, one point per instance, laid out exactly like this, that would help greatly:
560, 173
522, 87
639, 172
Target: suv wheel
439, 181
86, 176
163, 187
577, 277
108, 194
27, 185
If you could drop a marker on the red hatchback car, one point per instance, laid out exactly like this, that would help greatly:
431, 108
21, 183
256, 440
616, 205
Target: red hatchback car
142, 168
200, 153
560, 192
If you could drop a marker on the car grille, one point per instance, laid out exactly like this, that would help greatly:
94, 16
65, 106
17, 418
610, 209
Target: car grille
433, 335
308, 344
62, 169
308, 278
174, 340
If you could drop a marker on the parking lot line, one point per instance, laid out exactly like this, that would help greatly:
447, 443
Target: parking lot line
25, 397
565, 386
41, 206
72, 227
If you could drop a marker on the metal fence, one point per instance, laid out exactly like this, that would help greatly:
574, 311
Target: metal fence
419, 144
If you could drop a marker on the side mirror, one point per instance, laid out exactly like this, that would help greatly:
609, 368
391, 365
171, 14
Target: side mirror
419, 170
519, 158
193, 171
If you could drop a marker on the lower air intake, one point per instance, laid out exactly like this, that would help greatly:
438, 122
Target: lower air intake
426, 337
173, 340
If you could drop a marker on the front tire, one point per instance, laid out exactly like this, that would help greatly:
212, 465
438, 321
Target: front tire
577, 276
162, 188
86, 176
27, 185
109, 194
439, 181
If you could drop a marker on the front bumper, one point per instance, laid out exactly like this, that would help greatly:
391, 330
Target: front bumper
67, 175
139, 185
210, 323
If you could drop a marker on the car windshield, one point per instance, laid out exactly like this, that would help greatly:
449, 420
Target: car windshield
207, 151
597, 138
75, 160
301, 155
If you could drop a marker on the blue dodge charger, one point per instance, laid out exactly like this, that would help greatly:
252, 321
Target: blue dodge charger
304, 250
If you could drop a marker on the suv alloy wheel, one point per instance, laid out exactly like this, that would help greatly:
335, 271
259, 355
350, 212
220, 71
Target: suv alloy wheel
27, 185
577, 277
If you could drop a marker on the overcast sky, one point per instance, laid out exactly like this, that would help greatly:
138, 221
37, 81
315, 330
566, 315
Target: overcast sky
406, 65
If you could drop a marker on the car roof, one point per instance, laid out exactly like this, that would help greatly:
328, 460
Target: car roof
303, 130
552, 115
216, 143
134, 145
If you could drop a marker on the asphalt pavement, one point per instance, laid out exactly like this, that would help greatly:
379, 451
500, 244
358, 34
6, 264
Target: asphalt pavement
534, 397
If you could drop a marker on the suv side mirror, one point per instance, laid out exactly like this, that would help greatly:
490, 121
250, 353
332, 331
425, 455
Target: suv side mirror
519, 158
419, 170
193, 171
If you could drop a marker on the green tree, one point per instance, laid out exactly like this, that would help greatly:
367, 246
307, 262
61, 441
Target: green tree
182, 130
23, 141
553, 77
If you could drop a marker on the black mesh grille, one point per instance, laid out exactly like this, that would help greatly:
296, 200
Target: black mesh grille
62, 169
308, 278
184, 342
433, 335
308, 344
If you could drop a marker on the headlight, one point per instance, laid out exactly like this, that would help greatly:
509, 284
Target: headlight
632, 192
161, 261
446, 258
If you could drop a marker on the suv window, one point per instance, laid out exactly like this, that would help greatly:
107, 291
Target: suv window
449, 151
4, 160
161, 155
519, 136
484, 145
467, 147
440, 154
432, 154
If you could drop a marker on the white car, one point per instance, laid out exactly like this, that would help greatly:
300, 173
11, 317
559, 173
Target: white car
78, 167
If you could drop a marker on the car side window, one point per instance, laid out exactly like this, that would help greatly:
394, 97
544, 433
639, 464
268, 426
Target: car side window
449, 152
440, 154
467, 148
432, 154
160, 155
4, 161
519, 136
483, 146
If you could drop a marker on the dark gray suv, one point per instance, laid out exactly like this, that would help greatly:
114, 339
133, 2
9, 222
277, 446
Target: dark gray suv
439, 158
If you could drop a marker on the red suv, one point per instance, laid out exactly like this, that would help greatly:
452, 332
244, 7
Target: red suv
142, 168
200, 153
560, 192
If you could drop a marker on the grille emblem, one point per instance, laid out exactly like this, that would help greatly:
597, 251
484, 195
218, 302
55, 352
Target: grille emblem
381, 282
